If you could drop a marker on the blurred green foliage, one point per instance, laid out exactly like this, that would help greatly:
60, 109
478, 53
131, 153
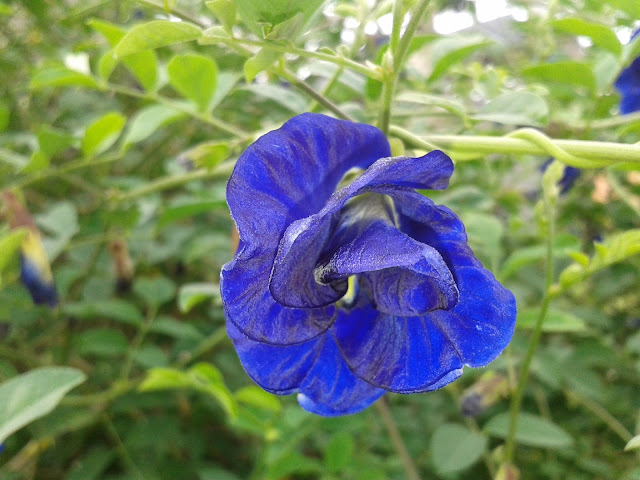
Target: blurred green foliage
119, 124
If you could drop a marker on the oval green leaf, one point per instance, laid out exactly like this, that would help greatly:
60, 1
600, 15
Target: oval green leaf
34, 394
155, 34
532, 430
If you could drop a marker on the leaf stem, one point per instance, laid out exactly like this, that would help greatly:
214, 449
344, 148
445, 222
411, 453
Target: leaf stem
396, 439
516, 399
589, 152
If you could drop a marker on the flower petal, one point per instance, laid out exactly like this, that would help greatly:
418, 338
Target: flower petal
315, 369
285, 175
416, 354
330, 388
292, 282
399, 354
403, 277
277, 369
251, 308
291, 172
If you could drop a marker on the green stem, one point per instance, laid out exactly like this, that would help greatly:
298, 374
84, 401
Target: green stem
602, 413
203, 347
516, 399
605, 153
222, 171
327, 89
137, 342
120, 447
370, 72
204, 117
396, 439
317, 96
405, 42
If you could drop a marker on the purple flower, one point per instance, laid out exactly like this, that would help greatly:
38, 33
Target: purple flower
341, 293
628, 84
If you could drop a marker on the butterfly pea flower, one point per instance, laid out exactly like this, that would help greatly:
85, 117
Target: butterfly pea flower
35, 270
628, 84
343, 291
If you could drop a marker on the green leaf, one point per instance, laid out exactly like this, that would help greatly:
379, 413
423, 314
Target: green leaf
564, 246
287, 98
156, 34
150, 356
91, 465
515, 108
143, 65
614, 249
567, 72
269, 13
114, 309
291, 463
451, 106
339, 452
155, 290
32, 395
485, 235
633, 444
187, 209
174, 328
556, 321
192, 294
208, 154
61, 77
532, 430
194, 77
451, 50
52, 141
257, 397
10, 247
202, 377
455, 447
101, 342
259, 62
601, 35
225, 11
287, 30
5, 116
103, 133
631, 7
38, 161
147, 121
61, 220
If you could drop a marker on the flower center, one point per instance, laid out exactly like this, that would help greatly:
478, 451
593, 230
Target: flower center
398, 275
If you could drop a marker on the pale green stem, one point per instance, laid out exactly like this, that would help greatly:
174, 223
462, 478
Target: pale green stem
370, 72
602, 413
396, 439
317, 96
204, 117
398, 48
327, 89
604, 153
222, 171
516, 399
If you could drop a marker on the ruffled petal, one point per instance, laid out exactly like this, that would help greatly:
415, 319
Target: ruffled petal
399, 354
416, 354
315, 369
330, 389
285, 175
277, 369
403, 277
291, 172
293, 282
251, 308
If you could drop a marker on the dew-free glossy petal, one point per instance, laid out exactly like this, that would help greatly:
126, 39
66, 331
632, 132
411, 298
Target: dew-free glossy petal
330, 389
292, 282
277, 369
404, 277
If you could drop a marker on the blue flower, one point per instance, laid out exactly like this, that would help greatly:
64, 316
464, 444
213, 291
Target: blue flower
341, 293
628, 84
569, 176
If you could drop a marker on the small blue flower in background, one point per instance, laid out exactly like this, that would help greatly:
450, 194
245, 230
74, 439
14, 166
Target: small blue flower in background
569, 176
628, 84
35, 270
341, 294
